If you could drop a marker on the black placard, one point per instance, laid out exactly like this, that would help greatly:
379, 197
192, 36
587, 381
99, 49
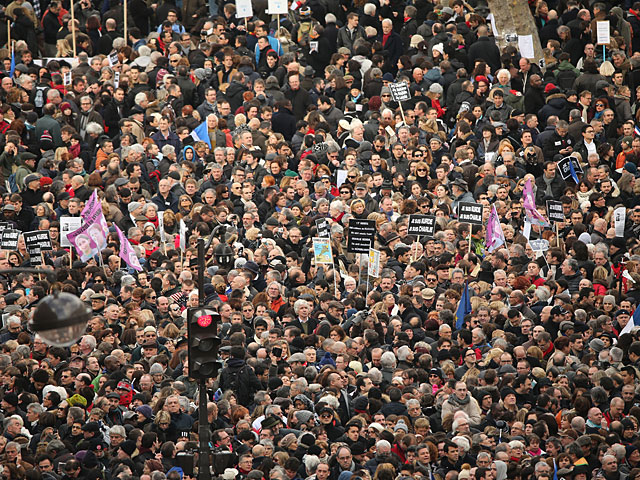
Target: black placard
362, 234
555, 213
564, 166
470, 213
322, 224
400, 91
422, 225
9, 240
40, 238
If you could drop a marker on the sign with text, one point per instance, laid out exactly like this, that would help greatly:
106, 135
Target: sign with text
540, 245
277, 7
362, 234
422, 225
603, 32
40, 238
564, 166
470, 213
322, 224
244, 9
9, 240
400, 91
374, 263
322, 251
554, 211
620, 217
32, 243
68, 225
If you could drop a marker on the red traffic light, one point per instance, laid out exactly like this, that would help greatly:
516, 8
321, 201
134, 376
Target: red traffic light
204, 320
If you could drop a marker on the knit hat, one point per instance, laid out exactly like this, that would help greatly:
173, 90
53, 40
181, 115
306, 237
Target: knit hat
160, 76
145, 410
400, 425
327, 360
65, 106
46, 141
156, 369
303, 416
133, 206
549, 88
506, 391
45, 181
128, 447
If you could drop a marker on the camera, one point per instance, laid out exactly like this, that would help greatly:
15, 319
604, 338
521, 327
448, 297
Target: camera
359, 317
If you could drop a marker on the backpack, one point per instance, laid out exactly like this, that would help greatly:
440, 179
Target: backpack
304, 32
13, 186
565, 79
238, 384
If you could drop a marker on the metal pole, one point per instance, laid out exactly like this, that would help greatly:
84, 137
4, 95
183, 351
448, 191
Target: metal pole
73, 30
126, 39
201, 267
204, 471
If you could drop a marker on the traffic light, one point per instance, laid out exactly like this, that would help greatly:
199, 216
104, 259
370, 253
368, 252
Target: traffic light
203, 341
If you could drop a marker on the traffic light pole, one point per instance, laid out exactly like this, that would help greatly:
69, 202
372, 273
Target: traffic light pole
204, 470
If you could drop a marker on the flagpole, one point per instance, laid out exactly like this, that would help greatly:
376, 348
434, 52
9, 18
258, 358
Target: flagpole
470, 228
125, 23
73, 29
9, 35
415, 250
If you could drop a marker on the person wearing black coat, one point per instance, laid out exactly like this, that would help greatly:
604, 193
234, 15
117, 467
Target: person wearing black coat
283, 120
299, 97
486, 49
391, 45
534, 96
235, 91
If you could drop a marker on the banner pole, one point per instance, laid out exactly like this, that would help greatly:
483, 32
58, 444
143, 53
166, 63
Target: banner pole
557, 236
125, 23
402, 112
470, 228
73, 29
9, 34
415, 250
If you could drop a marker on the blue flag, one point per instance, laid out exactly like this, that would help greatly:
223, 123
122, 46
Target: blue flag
555, 470
464, 307
201, 133
574, 175
13, 63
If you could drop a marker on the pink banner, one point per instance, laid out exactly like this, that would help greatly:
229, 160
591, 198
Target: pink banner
127, 253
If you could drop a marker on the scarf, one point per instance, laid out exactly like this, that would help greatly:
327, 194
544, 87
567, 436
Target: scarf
457, 402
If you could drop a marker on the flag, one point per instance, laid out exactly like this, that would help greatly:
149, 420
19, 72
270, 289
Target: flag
464, 307
12, 69
495, 235
574, 175
183, 235
555, 470
636, 130
634, 321
127, 253
90, 205
201, 133
529, 204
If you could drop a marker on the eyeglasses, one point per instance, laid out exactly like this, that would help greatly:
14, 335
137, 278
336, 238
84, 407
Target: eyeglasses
421, 169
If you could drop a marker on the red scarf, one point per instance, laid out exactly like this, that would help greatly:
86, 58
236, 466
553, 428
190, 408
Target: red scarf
385, 37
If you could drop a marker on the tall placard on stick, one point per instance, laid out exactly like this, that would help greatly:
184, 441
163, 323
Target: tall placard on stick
244, 9
555, 213
400, 91
469, 212
362, 234
9, 240
422, 225
322, 224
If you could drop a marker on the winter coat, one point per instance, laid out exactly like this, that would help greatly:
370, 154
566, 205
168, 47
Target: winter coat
469, 406
556, 105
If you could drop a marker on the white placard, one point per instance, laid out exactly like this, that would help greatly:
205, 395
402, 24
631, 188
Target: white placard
113, 59
116, 79
244, 9
620, 216
66, 79
277, 7
341, 177
526, 231
68, 225
603, 32
313, 46
525, 45
374, 263
163, 236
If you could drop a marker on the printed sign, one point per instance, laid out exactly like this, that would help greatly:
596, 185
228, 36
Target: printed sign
163, 235
68, 225
470, 213
362, 234
40, 238
277, 7
32, 243
9, 239
244, 9
400, 91
66, 78
620, 216
322, 224
91, 238
116, 79
422, 225
321, 147
322, 251
127, 253
603, 32
564, 166
113, 59
554, 211
374, 263
540, 245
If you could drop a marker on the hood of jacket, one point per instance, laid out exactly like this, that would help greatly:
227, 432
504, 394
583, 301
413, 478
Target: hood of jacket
566, 65
557, 100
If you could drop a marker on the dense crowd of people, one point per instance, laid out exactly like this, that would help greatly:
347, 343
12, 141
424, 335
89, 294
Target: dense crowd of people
458, 361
